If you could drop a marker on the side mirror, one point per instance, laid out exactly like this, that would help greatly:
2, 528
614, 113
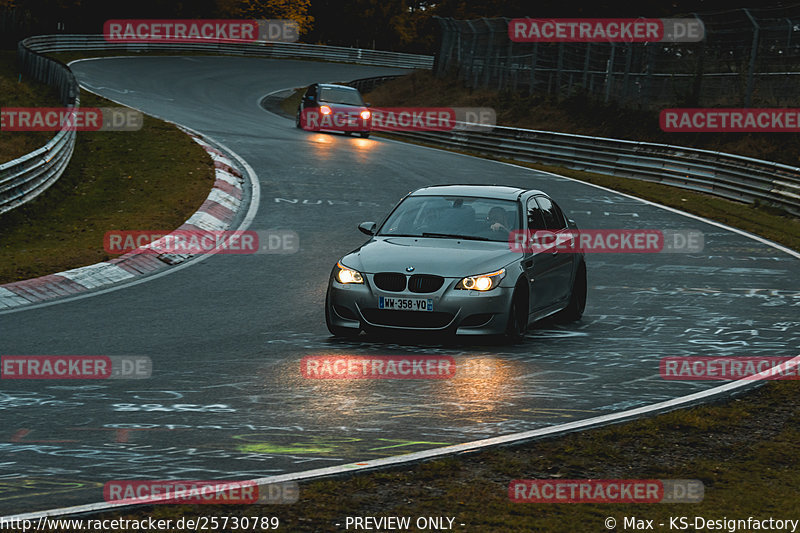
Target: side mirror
308, 98
367, 104
368, 228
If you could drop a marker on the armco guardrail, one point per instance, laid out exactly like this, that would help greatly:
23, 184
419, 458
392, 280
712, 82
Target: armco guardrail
65, 43
23, 179
726, 175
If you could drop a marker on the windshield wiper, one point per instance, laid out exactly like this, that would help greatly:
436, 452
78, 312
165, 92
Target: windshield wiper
455, 236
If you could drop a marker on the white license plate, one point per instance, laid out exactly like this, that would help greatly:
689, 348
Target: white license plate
405, 304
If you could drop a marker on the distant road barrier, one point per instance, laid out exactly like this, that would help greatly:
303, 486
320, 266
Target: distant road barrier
22, 179
277, 50
721, 174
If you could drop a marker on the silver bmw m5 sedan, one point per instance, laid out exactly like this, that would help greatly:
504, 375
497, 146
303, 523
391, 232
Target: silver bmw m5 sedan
443, 261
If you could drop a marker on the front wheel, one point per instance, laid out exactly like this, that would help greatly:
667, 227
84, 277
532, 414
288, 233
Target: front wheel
577, 298
365, 135
517, 319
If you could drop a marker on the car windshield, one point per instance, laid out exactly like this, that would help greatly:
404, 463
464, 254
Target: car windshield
453, 217
340, 95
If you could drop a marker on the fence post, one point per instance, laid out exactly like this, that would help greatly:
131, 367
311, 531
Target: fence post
533, 69
699, 70
559, 67
487, 57
626, 77
445, 48
610, 72
471, 80
748, 97
507, 71
586, 65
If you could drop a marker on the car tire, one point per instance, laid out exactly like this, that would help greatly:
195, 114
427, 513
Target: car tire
517, 324
365, 135
577, 297
337, 331
297, 123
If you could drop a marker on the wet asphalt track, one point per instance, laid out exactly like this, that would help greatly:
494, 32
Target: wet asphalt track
226, 400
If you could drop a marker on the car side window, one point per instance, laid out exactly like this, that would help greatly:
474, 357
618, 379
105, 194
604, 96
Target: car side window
559, 214
553, 217
535, 217
311, 92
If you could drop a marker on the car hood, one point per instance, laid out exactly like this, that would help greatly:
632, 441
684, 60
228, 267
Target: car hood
345, 108
444, 257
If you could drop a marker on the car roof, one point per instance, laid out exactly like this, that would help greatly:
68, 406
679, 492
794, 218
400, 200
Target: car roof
335, 85
502, 192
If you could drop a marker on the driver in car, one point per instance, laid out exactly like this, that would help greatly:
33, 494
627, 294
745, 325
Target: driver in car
497, 219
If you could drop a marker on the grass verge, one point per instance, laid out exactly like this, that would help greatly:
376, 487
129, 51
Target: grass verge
151, 179
18, 91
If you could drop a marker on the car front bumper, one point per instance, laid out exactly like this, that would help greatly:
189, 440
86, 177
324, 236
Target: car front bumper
462, 312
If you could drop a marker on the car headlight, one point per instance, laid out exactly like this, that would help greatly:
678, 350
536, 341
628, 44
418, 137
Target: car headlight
366, 114
348, 275
482, 282
325, 110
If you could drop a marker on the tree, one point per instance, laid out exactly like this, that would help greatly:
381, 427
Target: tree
296, 10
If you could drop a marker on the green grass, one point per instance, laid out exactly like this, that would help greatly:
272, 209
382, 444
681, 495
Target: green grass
16, 91
151, 179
